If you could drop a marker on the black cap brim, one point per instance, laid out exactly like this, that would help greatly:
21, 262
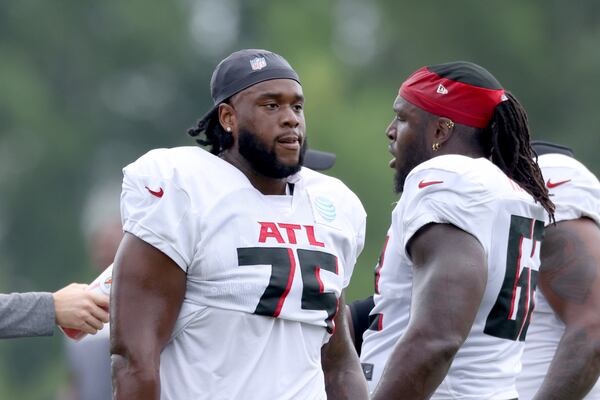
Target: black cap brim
542, 147
319, 160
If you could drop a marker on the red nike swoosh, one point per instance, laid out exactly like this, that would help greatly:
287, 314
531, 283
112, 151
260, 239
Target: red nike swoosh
158, 194
555, 184
423, 184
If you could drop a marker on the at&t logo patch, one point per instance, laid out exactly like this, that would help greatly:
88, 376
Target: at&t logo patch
325, 208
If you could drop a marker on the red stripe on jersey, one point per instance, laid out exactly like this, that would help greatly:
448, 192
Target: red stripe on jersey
289, 283
526, 312
528, 294
533, 248
380, 322
517, 276
532, 300
318, 276
337, 309
380, 264
531, 236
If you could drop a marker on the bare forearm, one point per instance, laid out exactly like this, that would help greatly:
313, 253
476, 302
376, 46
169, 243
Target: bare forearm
574, 369
135, 381
346, 385
344, 378
415, 369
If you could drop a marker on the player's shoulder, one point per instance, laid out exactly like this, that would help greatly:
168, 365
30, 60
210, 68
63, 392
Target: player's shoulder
317, 183
562, 168
558, 160
454, 172
456, 164
183, 160
175, 157
573, 188
314, 179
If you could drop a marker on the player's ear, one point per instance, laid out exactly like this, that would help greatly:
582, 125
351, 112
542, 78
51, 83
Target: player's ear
227, 117
444, 127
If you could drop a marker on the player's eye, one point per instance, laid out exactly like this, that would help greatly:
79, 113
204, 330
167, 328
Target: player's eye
298, 107
271, 106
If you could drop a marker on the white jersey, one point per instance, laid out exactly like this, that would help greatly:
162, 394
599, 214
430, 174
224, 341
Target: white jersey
576, 193
264, 273
475, 196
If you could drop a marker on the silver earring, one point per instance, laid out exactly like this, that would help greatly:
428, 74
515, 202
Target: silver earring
228, 129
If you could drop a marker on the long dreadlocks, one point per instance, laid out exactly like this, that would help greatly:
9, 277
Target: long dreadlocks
510, 150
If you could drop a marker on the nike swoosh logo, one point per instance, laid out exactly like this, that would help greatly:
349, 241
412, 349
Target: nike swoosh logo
423, 184
551, 185
158, 194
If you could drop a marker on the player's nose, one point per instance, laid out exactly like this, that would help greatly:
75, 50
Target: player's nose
290, 117
390, 131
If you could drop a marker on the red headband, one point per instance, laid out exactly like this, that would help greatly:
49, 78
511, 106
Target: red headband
462, 103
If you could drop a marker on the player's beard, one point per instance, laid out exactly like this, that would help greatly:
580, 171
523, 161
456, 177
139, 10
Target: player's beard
401, 174
263, 159
405, 163
399, 179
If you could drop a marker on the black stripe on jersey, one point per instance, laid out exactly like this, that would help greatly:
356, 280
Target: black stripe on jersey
360, 310
376, 322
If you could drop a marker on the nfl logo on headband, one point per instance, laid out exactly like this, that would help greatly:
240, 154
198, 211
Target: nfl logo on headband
258, 63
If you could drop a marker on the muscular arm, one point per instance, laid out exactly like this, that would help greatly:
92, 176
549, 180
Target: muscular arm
449, 278
147, 292
569, 279
344, 378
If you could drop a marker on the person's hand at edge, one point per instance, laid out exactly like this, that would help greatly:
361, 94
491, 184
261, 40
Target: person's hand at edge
77, 308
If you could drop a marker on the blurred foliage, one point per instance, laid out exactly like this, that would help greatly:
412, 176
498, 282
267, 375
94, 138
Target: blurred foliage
87, 87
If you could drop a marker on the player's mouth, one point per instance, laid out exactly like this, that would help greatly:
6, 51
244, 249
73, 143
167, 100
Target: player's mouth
290, 141
393, 160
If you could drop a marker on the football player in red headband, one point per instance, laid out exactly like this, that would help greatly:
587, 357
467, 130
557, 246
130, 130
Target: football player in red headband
455, 285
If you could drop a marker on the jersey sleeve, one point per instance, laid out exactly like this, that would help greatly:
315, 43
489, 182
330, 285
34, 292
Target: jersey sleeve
578, 197
157, 209
444, 197
357, 222
358, 247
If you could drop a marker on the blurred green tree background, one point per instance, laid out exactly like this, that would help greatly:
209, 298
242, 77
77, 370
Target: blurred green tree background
87, 87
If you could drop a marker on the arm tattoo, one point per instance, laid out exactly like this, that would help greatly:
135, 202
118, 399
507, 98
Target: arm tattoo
569, 267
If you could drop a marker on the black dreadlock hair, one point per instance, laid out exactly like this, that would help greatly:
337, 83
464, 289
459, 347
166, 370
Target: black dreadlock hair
214, 134
507, 138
